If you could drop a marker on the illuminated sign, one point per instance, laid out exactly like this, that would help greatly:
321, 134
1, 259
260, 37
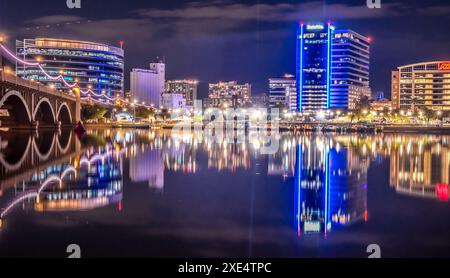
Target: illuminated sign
444, 66
314, 27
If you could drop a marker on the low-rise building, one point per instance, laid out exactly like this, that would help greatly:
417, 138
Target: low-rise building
283, 92
422, 86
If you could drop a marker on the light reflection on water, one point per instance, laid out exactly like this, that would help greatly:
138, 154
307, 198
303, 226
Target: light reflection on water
315, 186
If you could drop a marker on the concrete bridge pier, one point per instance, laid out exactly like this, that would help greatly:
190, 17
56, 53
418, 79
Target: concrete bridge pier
77, 112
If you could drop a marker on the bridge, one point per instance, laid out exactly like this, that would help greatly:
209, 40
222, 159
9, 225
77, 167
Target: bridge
30, 105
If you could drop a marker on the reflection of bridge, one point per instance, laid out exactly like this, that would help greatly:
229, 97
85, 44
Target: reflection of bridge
80, 180
30, 104
32, 154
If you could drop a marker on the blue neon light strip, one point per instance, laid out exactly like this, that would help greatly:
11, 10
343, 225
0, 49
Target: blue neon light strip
300, 72
328, 65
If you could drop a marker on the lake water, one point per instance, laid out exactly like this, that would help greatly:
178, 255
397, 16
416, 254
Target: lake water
128, 193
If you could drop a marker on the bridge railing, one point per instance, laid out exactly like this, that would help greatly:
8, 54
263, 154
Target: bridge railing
10, 78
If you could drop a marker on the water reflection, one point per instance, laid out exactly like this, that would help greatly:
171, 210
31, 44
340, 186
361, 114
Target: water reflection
331, 184
55, 172
327, 174
420, 167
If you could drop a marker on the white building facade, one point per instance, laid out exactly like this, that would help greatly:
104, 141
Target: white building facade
283, 92
147, 85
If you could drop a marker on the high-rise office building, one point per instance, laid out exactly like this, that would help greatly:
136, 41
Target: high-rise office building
350, 65
92, 65
187, 88
147, 85
229, 94
332, 67
422, 85
283, 92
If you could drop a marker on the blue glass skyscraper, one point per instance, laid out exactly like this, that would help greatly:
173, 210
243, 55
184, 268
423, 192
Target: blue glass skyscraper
350, 64
313, 66
332, 67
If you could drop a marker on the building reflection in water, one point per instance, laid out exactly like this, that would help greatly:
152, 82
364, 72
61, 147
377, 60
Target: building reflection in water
330, 185
421, 166
146, 163
56, 172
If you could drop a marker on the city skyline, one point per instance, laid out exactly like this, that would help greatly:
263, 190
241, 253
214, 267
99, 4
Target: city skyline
265, 130
263, 31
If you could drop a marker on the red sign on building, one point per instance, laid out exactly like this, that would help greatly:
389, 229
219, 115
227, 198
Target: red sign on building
444, 66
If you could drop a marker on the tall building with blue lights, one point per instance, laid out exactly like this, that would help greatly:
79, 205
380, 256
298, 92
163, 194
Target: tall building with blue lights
332, 67
350, 58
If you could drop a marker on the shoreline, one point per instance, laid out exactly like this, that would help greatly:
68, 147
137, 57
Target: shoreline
347, 128
337, 128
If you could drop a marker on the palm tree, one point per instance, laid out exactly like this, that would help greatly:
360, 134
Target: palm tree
414, 101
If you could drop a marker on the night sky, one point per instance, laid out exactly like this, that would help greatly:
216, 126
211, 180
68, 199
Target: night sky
247, 41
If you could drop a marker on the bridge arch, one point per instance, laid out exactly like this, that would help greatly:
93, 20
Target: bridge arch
44, 112
63, 140
15, 165
63, 114
19, 112
46, 149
